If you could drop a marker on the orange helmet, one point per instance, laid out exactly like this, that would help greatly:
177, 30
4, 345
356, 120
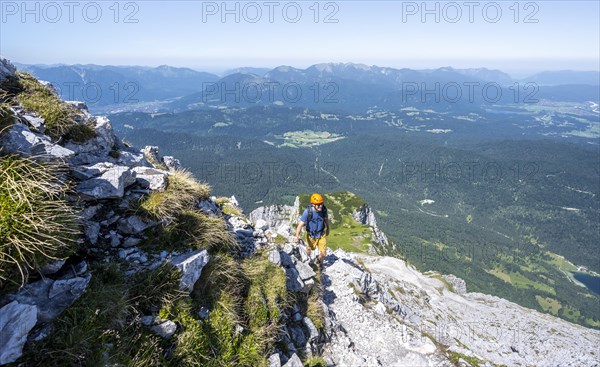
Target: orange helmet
316, 199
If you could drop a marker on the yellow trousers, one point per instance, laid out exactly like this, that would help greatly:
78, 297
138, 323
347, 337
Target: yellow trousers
313, 243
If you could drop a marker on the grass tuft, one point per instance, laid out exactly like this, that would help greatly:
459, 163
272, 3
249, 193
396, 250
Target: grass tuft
57, 115
181, 193
191, 230
80, 133
7, 117
315, 362
36, 223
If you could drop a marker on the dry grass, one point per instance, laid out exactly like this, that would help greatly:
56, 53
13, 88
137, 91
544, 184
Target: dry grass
36, 223
182, 192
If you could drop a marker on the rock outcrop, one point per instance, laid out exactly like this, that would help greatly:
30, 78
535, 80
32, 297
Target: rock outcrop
107, 178
366, 216
384, 312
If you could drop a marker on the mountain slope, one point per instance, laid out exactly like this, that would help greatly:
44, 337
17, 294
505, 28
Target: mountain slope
381, 311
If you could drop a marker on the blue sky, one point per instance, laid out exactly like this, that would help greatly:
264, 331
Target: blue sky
517, 37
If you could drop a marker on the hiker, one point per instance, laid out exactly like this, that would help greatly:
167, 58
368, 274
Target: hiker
317, 227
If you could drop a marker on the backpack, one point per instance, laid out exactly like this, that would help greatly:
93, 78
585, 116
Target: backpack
310, 215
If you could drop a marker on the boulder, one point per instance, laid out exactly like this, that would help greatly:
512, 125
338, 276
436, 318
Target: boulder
133, 225
274, 360
304, 270
209, 207
7, 69
36, 122
261, 224
102, 143
19, 139
110, 185
165, 329
151, 154
92, 231
274, 257
312, 329
294, 361
72, 286
52, 297
52, 267
293, 281
171, 163
151, 178
127, 158
190, 265
16, 321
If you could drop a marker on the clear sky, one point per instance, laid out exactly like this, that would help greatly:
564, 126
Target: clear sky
517, 37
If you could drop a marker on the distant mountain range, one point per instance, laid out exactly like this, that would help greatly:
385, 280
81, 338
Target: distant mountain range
327, 86
107, 85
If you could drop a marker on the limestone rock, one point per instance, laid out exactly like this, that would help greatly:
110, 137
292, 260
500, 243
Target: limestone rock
52, 267
165, 329
294, 361
293, 281
459, 286
16, 320
109, 185
312, 329
274, 257
274, 360
190, 265
274, 216
209, 207
35, 121
92, 231
133, 225
171, 163
19, 139
305, 271
101, 144
7, 69
151, 178
52, 297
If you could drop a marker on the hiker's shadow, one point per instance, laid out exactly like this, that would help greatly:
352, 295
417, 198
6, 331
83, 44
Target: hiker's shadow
328, 295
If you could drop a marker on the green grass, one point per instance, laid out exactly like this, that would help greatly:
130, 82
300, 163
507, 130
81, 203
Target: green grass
307, 138
473, 361
549, 304
7, 117
99, 329
246, 300
58, 116
227, 208
80, 133
35, 97
520, 281
315, 362
36, 223
189, 229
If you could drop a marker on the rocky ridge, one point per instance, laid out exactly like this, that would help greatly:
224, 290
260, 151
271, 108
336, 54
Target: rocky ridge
380, 311
108, 176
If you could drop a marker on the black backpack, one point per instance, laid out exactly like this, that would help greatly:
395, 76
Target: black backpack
310, 214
